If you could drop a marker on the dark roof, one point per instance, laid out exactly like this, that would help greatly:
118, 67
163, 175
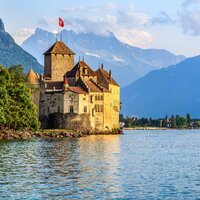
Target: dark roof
75, 70
103, 77
77, 90
59, 48
57, 85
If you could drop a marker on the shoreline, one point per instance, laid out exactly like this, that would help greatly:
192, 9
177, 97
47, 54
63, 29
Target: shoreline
158, 128
19, 135
146, 128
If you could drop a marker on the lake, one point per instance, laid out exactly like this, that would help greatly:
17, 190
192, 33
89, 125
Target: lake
137, 165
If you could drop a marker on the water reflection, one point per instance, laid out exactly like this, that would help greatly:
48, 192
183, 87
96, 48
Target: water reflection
137, 165
82, 168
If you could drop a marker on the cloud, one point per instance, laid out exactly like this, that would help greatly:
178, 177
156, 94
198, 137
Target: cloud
68, 10
43, 23
47, 23
117, 59
135, 37
187, 3
92, 54
127, 25
190, 17
132, 19
23, 34
162, 18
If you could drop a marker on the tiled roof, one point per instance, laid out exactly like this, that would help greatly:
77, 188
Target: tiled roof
77, 90
59, 48
57, 85
76, 70
92, 86
32, 77
103, 77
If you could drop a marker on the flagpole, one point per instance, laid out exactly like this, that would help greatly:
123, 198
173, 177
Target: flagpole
58, 29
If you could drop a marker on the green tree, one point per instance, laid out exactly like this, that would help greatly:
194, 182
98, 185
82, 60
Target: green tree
177, 121
182, 122
173, 122
17, 74
17, 111
165, 121
4, 97
188, 119
121, 118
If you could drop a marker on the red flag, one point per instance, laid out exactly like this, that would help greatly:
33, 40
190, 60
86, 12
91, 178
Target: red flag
61, 22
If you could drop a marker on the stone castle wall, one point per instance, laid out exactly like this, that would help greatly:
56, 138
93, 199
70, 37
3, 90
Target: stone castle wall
69, 121
56, 65
60, 65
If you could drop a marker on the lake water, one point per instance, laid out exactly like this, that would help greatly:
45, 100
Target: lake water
136, 165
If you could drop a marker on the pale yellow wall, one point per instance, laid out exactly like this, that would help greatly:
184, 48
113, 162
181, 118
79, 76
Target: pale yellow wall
91, 105
115, 93
96, 115
107, 111
112, 107
83, 102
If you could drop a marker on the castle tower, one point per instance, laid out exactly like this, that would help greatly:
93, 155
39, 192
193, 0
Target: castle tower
34, 81
58, 60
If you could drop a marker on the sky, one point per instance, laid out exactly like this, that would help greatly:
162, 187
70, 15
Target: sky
165, 24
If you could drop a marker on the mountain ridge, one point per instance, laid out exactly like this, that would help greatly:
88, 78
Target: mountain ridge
12, 54
171, 90
124, 60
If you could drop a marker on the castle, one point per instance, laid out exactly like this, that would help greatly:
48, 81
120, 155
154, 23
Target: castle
74, 96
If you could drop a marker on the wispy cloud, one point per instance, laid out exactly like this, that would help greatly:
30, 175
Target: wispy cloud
162, 18
23, 34
190, 17
127, 25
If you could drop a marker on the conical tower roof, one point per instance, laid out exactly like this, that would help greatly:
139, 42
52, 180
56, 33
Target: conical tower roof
32, 77
59, 48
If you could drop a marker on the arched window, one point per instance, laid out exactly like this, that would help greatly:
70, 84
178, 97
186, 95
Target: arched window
71, 109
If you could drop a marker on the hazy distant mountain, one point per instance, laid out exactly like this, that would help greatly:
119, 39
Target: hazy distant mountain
127, 63
12, 54
172, 90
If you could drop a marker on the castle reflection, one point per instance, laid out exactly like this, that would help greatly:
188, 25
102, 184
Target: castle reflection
87, 164
80, 168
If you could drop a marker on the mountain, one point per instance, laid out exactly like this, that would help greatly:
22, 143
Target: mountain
13, 54
171, 90
128, 63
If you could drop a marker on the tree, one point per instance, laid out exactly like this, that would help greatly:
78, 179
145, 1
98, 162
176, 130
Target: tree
188, 119
177, 121
17, 74
17, 111
121, 118
173, 122
4, 97
182, 122
165, 121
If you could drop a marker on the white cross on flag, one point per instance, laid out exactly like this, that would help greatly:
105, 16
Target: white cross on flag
61, 22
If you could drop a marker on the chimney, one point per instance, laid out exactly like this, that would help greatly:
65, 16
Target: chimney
110, 75
102, 66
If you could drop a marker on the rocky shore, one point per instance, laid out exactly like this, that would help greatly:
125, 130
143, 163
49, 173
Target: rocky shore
17, 135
